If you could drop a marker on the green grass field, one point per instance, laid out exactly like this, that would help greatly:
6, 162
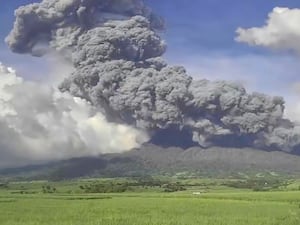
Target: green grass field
218, 206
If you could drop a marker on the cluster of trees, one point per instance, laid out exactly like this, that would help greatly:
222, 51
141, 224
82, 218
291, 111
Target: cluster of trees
167, 186
257, 184
105, 187
141, 182
47, 189
173, 187
4, 185
148, 181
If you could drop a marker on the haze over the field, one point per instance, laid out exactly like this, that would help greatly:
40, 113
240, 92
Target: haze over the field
115, 52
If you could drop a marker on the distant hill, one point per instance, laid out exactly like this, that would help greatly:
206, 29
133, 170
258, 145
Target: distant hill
155, 160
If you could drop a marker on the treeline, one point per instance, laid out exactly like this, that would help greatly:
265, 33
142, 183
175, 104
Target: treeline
142, 182
104, 188
257, 184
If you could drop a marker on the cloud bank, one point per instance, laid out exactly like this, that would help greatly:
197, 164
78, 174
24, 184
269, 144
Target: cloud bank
281, 31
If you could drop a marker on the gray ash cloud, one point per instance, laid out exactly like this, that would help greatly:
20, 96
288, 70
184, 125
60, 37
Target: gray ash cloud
115, 48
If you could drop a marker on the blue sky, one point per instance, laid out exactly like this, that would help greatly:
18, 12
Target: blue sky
200, 35
209, 25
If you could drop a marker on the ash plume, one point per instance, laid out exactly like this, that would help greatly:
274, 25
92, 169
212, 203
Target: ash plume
115, 49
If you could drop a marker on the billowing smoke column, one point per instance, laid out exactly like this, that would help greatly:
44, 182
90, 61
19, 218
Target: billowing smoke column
38, 123
115, 50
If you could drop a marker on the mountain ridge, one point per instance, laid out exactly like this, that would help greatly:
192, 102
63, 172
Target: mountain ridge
150, 159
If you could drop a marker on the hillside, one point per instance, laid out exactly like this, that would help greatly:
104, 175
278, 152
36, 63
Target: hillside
154, 160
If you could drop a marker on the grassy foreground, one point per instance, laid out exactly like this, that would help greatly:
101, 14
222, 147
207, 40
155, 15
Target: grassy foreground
216, 207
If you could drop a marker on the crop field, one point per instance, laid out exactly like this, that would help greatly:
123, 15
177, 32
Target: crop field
211, 203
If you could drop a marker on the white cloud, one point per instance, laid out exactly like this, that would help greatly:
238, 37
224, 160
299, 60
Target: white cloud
282, 31
38, 123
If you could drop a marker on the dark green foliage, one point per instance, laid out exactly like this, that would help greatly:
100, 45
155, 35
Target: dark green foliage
3, 185
136, 184
148, 181
104, 187
47, 189
173, 187
257, 184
